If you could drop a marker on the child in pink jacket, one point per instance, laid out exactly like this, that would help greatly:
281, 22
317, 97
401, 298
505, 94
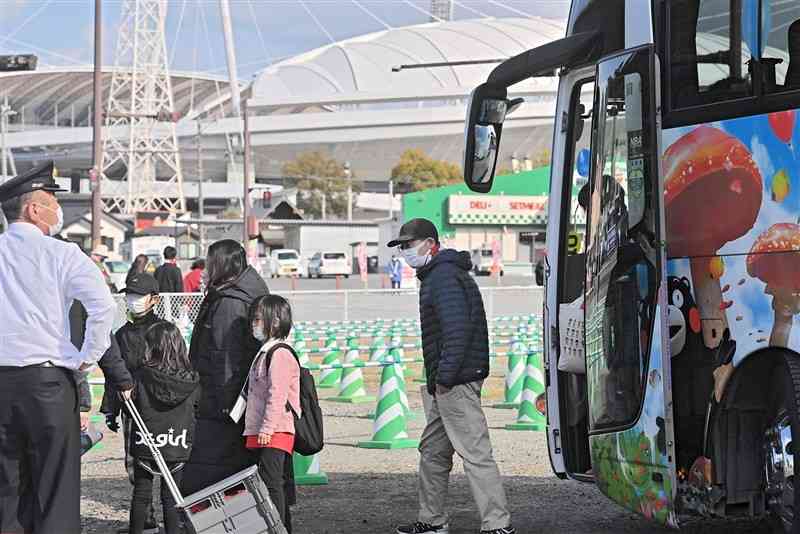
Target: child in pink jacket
273, 393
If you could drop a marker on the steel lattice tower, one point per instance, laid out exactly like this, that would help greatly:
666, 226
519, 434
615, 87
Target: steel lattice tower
139, 103
441, 9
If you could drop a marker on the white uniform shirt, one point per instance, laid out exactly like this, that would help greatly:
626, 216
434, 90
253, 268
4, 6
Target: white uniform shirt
40, 277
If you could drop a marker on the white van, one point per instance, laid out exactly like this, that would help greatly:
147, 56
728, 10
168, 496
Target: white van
330, 264
482, 261
284, 262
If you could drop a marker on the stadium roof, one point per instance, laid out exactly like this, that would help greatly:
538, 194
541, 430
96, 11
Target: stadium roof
363, 65
67, 91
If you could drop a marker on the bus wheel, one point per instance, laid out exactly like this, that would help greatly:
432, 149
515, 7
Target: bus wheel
781, 471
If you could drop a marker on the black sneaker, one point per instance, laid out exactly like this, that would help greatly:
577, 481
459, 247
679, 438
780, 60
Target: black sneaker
423, 528
507, 530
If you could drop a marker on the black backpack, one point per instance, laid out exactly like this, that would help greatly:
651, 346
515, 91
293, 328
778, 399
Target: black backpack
308, 430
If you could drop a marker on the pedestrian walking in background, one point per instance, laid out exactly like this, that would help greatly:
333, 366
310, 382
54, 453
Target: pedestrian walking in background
395, 272
222, 349
139, 266
193, 281
141, 299
455, 346
40, 277
166, 395
168, 275
273, 394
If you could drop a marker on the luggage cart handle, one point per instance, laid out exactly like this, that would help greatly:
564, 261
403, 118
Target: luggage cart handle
166, 474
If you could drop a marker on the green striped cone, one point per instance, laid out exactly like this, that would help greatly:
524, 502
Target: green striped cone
351, 388
307, 471
528, 417
389, 429
515, 377
329, 378
304, 358
378, 350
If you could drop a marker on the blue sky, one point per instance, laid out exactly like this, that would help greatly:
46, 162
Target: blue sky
60, 31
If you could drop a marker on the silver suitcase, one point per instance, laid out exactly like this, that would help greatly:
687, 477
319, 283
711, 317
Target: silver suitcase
240, 504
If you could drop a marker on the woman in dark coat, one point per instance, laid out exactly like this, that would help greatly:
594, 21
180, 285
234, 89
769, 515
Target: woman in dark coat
222, 349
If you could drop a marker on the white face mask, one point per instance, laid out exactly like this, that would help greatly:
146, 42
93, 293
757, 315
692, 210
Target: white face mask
414, 258
258, 333
55, 228
138, 304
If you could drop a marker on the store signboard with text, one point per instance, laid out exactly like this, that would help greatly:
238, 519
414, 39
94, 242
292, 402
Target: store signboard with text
505, 210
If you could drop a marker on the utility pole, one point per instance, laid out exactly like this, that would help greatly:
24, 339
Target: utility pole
324, 215
246, 178
97, 128
391, 199
201, 200
349, 174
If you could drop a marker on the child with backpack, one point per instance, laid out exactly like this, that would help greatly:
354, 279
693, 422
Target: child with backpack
273, 401
166, 394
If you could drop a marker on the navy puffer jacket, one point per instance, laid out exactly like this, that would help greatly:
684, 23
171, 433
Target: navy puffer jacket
455, 338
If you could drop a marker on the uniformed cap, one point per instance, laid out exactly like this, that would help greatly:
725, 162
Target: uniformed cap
413, 230
40, 178
141, 284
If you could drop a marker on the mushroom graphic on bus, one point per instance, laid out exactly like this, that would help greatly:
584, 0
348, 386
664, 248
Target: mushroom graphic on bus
712, 195
775, 260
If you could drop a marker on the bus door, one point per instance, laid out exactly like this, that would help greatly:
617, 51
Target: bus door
627, 352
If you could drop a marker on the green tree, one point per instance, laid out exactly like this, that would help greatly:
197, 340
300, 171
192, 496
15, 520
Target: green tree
320, 175
421, 171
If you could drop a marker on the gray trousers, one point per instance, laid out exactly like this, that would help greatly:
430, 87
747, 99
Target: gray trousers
456, 423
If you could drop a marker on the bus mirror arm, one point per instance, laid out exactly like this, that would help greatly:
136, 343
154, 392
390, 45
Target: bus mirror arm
544, 60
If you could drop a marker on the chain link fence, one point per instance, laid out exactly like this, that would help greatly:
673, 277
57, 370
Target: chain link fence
351, 304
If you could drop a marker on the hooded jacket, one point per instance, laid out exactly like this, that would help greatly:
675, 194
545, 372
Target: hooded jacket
167, 401
455, 337
222, 349
223, 345
132, 347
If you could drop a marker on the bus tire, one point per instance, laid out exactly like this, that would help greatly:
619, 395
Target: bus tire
783, 426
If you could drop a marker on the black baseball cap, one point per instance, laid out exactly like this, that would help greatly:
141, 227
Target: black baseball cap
40, 178
413, 230
141, 284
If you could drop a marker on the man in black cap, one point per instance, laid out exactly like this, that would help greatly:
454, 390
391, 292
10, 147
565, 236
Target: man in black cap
40, 278
455, 347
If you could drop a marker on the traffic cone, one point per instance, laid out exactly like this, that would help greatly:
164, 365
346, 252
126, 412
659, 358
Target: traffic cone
329, 378
528, 417
515, 376
378, 350
351, 387
307, 471
389, 429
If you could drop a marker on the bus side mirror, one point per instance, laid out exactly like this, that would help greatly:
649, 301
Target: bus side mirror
487, 110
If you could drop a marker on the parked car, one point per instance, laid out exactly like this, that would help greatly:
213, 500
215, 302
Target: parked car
284, 262
117, 271
329, 264
483, 260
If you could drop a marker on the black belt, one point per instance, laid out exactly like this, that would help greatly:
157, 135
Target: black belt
46, 365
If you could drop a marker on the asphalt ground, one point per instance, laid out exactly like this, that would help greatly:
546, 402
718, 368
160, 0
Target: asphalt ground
372, 491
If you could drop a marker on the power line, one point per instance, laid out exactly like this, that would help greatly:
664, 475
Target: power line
464, 6
24, 23
258, 30
177, 34
317, 21
371, 14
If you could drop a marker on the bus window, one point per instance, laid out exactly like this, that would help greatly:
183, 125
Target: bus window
710, 59
621, 272
780, 56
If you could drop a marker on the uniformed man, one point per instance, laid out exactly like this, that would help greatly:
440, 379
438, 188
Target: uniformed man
40, 277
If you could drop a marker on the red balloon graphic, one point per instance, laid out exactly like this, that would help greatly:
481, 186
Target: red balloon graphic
782, 123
